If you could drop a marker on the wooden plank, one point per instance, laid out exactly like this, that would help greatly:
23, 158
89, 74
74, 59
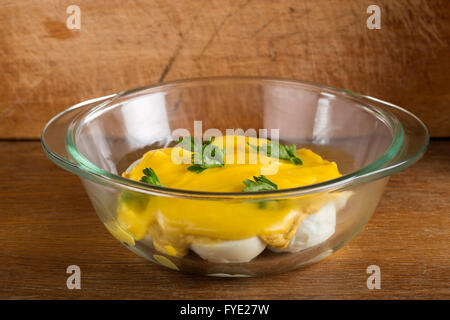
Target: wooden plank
47, 224
45, 68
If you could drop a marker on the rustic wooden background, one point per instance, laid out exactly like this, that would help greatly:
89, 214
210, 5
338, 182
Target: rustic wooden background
45, 68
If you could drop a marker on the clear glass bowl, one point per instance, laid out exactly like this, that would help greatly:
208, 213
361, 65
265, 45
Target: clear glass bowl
369, 140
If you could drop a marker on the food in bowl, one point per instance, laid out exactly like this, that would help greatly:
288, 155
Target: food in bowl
173, 226
235, 220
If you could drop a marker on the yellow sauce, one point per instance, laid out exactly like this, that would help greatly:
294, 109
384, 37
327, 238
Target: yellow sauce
174, 223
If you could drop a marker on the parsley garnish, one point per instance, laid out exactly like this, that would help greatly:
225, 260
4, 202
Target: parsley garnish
261, 183
277, 150
189, 143
205, 155
150, 177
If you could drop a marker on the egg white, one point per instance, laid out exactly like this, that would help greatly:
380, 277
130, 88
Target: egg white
314, 229
318, 226
231, 251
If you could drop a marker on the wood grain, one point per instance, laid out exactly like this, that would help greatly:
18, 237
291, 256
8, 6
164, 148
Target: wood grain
45, 68
47, 224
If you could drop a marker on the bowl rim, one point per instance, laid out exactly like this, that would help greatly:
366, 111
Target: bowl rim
377, 169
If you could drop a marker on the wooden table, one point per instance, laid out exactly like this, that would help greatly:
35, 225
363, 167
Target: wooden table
47, 223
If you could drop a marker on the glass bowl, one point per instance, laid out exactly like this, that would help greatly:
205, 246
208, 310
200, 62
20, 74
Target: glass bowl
369, 139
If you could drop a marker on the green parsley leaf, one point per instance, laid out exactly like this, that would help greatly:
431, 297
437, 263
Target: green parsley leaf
280, 151
191, 144
196, 168
261, 183
205, 155
297, 161
150, 177
186, 143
